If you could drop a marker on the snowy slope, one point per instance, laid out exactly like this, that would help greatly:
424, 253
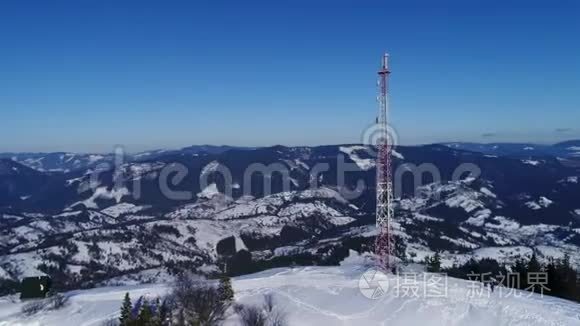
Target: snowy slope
124, 239
461, 220
327, 296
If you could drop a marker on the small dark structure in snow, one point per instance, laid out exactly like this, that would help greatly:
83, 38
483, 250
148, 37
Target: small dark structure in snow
226, 247
35, 287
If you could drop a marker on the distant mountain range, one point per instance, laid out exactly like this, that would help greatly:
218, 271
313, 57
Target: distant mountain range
83, 230
564, 150
67, 162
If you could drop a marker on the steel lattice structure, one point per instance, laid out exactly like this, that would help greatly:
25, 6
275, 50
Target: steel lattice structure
384, 245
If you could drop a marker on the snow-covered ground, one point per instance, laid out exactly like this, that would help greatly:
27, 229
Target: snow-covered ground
330, 296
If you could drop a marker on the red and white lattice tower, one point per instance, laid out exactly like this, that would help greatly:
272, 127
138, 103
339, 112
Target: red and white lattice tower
384, 245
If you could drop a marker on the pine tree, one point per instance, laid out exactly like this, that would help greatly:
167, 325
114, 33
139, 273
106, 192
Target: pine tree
569, 278
180, 318
427, 261
125, 318
145, 315
162, 313
436, 263
534, 265
226, 291
554, 282
401, 250
520, 268
433, 263
136, 309
566, 261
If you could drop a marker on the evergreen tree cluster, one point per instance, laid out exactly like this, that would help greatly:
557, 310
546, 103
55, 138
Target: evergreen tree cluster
193, 301
485, 266
226, 290
562, 278
433, 263
144, 312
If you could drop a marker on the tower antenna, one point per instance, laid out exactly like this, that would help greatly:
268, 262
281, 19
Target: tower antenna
384, 243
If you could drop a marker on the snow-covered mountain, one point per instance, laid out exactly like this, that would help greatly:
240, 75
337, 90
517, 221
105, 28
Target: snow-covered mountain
19, 182
58, 162
85, 230
330, 296
124, 238
67, 162
563, 150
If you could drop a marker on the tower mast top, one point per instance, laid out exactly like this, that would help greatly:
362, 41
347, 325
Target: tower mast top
385, 65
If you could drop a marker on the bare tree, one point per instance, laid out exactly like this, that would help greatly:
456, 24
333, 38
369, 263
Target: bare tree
269, 314
111, 322
198, 301
33, 307
56, 301
277, 318
269, 302
275, 315
251, 315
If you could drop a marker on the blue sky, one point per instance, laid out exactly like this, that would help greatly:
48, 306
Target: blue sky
85, 75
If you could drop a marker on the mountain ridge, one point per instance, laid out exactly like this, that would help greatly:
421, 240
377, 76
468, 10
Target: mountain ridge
84, 229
